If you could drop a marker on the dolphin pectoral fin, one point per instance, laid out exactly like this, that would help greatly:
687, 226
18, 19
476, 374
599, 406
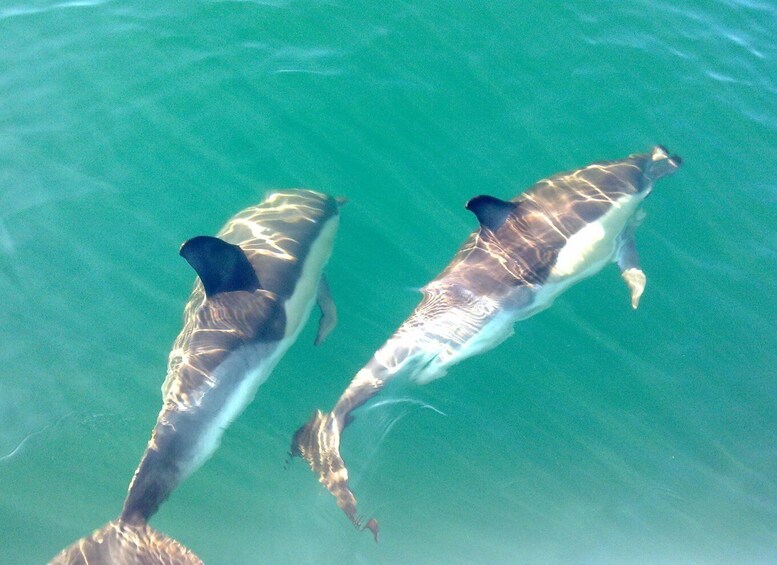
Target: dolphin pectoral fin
221, 266
491, 212
318, 442
628, 262
635, 279
121, 542
326, 304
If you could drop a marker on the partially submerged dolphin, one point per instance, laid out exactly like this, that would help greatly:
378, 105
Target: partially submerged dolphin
525, 253
257, 283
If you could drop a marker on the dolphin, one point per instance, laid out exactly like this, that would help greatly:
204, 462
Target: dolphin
258, 280
525, 253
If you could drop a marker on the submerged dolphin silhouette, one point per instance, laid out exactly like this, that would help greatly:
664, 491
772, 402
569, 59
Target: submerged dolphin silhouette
257, 283
526, 252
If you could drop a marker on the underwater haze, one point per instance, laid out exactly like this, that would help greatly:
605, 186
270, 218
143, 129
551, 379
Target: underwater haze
597, 434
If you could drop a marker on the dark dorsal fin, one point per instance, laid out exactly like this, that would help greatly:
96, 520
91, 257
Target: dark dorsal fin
490, 211
221, 266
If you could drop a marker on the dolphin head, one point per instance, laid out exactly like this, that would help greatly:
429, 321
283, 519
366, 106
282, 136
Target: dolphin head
656, 164
661, 163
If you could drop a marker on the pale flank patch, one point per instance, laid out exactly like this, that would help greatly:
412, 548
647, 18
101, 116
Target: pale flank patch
578, 250
299, 304
585, 254
591, 248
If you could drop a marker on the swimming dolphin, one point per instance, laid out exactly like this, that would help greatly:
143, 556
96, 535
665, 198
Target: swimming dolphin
525, 253
257, 283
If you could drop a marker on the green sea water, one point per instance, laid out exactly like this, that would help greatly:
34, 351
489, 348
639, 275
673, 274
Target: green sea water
595, 435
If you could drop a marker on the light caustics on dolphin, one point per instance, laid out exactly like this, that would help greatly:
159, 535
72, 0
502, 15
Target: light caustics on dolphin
257, 283
526, 252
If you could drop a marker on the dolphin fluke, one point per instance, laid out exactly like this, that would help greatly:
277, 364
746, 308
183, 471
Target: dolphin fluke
318, 442
129, 544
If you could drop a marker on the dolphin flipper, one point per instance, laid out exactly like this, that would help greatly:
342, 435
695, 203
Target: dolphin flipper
326, 304
628, 261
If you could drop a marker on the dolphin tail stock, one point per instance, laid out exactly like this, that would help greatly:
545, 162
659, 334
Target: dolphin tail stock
124, 542
318, 442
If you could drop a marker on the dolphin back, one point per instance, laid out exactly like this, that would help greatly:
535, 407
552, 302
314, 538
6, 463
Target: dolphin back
121, 542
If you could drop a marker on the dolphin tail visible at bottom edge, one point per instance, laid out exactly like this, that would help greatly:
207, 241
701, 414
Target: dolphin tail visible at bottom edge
127, 543
318, 442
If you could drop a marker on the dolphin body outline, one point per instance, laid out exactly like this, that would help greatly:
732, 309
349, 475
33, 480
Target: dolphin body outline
525, 253
257, 283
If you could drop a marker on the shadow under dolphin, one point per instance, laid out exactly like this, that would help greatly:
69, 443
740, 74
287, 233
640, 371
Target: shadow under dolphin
257, 283
525, 253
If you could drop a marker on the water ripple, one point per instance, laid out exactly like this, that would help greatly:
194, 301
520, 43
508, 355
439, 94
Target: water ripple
16, 11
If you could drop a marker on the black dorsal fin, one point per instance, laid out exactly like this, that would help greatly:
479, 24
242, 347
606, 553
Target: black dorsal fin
221, 266
490, 211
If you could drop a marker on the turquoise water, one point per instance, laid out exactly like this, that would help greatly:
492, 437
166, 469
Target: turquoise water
595, 435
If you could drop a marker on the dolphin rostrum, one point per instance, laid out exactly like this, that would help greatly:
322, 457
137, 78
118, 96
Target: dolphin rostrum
257, 283
525, 253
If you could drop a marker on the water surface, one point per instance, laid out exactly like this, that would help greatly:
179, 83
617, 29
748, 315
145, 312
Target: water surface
595, 435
